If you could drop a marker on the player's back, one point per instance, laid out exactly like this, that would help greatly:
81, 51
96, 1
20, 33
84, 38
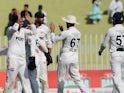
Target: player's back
69, 50
71, 42
116, 37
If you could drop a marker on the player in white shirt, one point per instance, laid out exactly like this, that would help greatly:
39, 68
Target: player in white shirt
68, 59
36, 45
44, 35
16, 57
115, 6
115, 37
33, 44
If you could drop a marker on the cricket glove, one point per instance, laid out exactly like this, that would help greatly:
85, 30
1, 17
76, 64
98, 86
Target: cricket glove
49, 58
31, 65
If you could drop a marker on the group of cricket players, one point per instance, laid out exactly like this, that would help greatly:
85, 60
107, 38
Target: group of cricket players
29, 49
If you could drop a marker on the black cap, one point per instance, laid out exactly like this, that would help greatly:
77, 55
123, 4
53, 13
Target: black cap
39, 15
118, 17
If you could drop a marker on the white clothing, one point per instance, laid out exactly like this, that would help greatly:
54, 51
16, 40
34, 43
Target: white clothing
44, 33
115, 37
16, 59
34, 46
115, 6
68, 59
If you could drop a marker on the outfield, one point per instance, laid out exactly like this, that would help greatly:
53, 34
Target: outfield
57, 9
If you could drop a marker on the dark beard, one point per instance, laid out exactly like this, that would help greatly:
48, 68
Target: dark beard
38, 23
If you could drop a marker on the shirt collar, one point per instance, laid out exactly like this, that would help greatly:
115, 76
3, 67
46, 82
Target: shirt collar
118, 25
72, 27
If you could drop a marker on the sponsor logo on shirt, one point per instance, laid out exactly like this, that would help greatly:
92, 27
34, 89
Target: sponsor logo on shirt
19, 38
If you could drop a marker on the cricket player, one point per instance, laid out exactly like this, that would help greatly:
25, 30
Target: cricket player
35, 45
68, 59
40, 55
16, 56
115, 35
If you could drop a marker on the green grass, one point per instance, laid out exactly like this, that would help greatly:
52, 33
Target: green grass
55, 10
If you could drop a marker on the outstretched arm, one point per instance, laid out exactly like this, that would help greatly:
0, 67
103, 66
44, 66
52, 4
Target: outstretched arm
59, 37
104, 43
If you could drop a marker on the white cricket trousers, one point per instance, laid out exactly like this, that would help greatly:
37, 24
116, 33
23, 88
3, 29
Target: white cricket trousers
43, 74
117, 60
114, 88
16, 66
73, 70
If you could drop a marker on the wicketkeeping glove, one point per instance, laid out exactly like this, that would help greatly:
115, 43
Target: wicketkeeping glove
49, 58
31, 65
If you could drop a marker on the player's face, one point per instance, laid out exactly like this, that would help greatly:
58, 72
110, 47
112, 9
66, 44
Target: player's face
39, 21
67, 25
26, 8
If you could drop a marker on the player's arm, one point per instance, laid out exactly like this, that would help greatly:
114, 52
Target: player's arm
36, 41
32, 43
31, 25
49, 41
41, 44
12, 29
104, 43
59, 37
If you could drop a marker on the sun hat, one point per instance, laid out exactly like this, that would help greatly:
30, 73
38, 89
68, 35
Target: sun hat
70, 19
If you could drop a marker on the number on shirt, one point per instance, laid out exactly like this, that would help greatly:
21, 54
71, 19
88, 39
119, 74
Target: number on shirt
119, 39
74, 42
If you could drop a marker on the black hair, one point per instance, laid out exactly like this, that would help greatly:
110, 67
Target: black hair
118, 18
26, 5
40, 7
13, 9
69, 24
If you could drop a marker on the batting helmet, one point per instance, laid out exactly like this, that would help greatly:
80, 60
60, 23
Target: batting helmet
118, 18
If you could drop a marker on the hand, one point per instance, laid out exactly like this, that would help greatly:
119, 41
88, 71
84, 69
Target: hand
99, 53
18, 14
19, 20
28, 18
32, 64
49, 58
61, 27
52, 27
